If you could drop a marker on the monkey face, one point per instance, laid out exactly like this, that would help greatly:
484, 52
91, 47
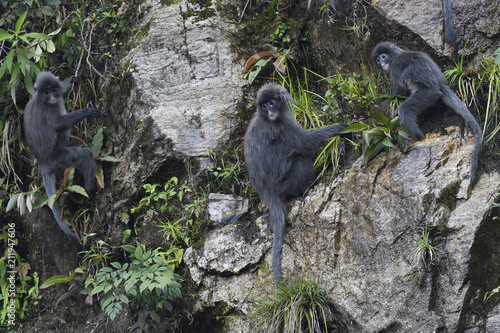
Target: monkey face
50, 95
271, 108
383, 61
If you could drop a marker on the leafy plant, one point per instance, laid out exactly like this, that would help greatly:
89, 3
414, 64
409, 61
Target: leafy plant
380, 131
491, 75
257, 62
23, 201
299, 306
353, 92
477, 83
159, 200
163, 204
146, 284
279, 36
26, 49
101, 155
424, 250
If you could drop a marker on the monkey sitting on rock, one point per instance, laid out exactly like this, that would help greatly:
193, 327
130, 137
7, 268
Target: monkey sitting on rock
47, 128
279, 156
416, 75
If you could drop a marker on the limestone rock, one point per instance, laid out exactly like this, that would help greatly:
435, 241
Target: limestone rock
185, 88
358, 234
225, 208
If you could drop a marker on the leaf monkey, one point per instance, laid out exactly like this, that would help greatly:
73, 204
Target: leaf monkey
279, 155
449, 29
47, 128
416, 75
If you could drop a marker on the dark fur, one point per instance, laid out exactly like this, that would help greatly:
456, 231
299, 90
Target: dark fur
47, 128
449, 29
416, 75
279, 156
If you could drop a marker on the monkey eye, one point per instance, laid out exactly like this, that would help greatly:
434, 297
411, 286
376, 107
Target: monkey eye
381, 57
267, 105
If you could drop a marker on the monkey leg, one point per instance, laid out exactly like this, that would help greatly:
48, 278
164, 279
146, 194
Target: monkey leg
297, 178
414, 105
83, 160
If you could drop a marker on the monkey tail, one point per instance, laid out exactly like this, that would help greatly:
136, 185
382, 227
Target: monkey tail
277, 208
49, 181
452, 100
449, 29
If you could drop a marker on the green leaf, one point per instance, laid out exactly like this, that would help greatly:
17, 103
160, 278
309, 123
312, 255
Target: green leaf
123, 298
107, 301
78, 189
388, 143
9, 60
21, 58
128, 248
51, 48
378, 132
108, 159
394, 122
380, 115
55, 32
20, 22
354, 128
369, 151
154, 316
28, 82
12, 202
144, 285
38, 35
138, 252
21, 205
52, 199
105, 270
55, 280
97, 142
116, 265
15, 73
4, 35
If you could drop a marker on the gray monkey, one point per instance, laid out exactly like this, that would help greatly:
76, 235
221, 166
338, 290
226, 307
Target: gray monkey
416, 75
279, 156
47, 127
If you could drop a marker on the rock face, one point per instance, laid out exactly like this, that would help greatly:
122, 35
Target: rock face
225, 208
184, 90
475, 21
358, 234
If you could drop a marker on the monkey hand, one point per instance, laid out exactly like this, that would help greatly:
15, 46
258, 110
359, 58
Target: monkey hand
74, 79
93, 112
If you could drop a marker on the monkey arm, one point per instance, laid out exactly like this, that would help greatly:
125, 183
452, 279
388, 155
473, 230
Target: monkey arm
67, 121
316, 137
67, 84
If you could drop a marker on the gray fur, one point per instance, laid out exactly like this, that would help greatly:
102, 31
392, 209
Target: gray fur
47, 128
416, 75
279, 156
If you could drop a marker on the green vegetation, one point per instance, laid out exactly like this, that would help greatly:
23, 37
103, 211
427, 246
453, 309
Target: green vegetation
424, 251
298, 306
164, 206
480, 87
382, 130
146, 284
